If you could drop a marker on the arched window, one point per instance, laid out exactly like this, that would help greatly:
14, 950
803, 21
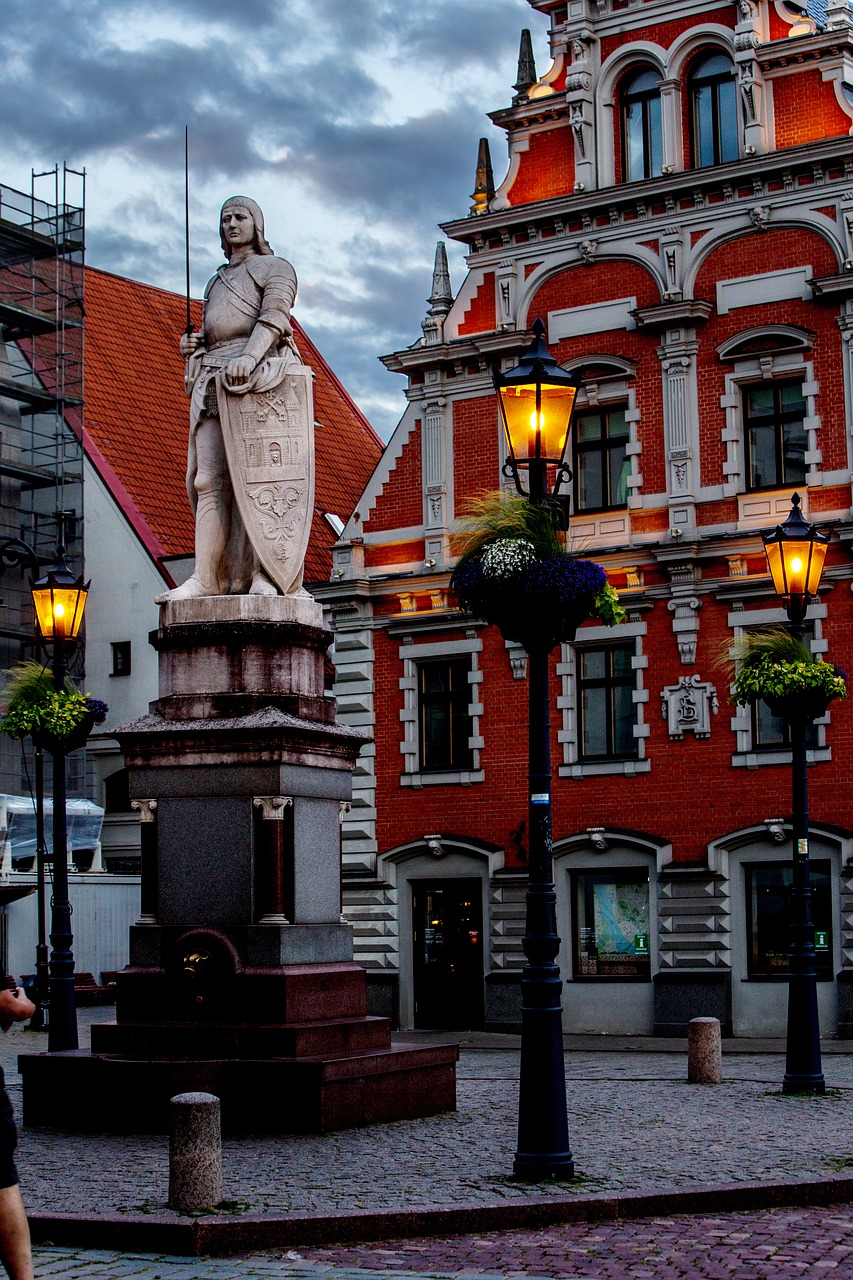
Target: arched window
642, 126
713, 105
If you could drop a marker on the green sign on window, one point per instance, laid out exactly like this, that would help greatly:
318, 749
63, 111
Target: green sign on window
641, 944
821, 939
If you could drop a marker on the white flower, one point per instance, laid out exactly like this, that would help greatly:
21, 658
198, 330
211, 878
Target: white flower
507, 557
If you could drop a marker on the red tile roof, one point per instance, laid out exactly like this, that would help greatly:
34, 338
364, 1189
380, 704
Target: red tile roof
136, 419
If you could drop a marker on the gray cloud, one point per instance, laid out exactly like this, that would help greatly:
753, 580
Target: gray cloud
308, 94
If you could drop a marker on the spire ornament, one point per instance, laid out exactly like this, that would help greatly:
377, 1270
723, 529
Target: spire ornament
526, 65
484, 182
440, 299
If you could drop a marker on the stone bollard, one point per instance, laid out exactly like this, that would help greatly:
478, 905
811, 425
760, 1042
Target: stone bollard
195, 1152
704, 1051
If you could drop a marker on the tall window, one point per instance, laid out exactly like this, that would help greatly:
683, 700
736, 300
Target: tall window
714, 111
601, 466
642, 126
775, 434
611, 924
606, 683
768, 897
444, 722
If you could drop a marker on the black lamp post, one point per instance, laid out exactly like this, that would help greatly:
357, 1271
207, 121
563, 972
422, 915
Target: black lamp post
14, 554
59, 600
795, 554
536, 400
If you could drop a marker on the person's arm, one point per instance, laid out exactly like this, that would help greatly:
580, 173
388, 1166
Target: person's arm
277, 279
14, 1007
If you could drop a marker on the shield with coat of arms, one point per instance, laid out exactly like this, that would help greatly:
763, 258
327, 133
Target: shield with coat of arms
269, 444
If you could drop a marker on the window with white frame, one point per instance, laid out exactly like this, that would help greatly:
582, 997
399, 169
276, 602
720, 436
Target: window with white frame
601, 463
444, 720
602, 700
775, 437
605, 701
606, 451
441, 712
762, 738
772, 425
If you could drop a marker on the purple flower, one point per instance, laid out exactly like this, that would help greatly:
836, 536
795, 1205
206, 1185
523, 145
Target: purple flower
550, 582
97, 709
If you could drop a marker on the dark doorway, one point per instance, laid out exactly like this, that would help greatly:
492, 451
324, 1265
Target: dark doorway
447, 920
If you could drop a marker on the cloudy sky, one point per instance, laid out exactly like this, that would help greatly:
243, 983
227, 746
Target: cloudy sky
354, 123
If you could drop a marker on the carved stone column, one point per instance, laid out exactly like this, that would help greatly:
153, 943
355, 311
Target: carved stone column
435, 483
274, 881
680, 418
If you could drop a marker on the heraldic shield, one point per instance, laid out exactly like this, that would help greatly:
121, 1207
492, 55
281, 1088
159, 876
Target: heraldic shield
269, 443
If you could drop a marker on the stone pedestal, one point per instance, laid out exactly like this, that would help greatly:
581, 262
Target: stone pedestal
241, 980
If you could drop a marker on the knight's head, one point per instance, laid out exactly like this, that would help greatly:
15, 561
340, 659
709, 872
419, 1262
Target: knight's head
241, 221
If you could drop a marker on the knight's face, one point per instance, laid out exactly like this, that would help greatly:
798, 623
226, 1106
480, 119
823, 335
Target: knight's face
238, 226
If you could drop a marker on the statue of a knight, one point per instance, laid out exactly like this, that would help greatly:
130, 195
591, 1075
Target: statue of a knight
250, 473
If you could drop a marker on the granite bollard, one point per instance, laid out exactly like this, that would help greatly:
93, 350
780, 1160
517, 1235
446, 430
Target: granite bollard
704, 1051
195, 1152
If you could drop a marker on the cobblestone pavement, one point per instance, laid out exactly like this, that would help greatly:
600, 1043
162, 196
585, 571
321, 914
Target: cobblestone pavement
634, 1124
781, 1244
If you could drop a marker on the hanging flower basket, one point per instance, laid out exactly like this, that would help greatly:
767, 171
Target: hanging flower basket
536, 600
72, 741
57, 720
778, 669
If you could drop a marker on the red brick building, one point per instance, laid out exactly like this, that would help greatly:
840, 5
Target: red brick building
677, 209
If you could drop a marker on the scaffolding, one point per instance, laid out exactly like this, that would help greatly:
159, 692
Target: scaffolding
42, 244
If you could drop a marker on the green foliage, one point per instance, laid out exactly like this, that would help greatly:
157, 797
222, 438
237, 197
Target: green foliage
498, 515
607, 608
29, 681
773, 664
34, 705
772, 680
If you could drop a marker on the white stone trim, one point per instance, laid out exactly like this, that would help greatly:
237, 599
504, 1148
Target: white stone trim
588, 637
772, 367
353, 657
410, 655
746, 755
611, 527
764, 287
594, 317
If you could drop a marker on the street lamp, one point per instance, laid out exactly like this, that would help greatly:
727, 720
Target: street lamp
795, 554
59, 600
536, 401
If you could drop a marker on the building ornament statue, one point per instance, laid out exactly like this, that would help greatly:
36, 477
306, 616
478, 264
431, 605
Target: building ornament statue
250, 469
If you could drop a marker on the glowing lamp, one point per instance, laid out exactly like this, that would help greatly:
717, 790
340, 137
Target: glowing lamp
536, 400
795, 554
59, 600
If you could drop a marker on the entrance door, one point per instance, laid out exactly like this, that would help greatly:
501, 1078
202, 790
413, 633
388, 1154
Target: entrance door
447, 931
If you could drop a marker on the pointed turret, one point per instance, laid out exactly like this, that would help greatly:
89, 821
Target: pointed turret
441, 298
526, 65
484, 183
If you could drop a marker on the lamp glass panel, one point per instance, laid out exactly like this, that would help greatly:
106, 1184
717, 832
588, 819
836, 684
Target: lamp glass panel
776, 565
818, 550
525, 426
59, 611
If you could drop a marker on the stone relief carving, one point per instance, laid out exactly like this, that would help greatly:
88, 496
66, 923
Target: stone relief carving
688, 706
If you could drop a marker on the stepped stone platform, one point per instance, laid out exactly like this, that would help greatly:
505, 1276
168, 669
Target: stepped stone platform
241, 980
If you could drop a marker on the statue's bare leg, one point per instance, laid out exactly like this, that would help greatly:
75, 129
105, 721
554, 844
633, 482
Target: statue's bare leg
212, 517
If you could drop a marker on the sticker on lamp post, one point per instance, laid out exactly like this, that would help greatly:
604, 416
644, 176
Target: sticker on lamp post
821, 939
